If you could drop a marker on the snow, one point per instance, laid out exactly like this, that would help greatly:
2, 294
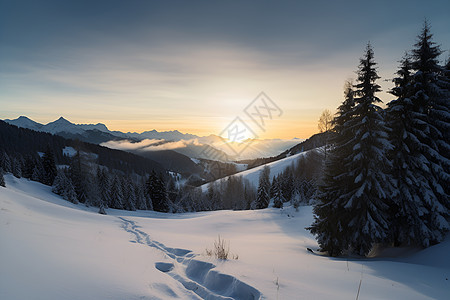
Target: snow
69, 151
52, 249
276, 168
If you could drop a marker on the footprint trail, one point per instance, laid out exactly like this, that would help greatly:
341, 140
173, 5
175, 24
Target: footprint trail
195, 275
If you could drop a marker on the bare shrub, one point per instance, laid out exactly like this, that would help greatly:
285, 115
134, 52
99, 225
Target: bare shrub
221, 250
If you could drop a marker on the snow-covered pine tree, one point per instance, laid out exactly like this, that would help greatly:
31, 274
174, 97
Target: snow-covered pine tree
329, 214
444, 84
62, 185
263, 197
141, 201
2, 178
157, 191
58, 183
367, 201
431, 110
70, 191
104, 183
116, 194
38, 172
287, 184
278, 198
407, 224
5, 162
213, 196
272, 187
353, 211
129, 194
17, 167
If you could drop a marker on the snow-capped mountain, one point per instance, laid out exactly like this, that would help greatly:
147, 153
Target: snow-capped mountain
185, 143
25, 122
57, 126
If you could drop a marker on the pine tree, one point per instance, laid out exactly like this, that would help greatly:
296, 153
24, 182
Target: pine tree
158, 194
431, 115
444, 122
213, 196
2, 178
140, 197
287, 184
48, 162
17, 167
117, 194
62, 185
70, 191
407, 223
367, 201
77, 176
278, 198
38, 172
263, 197
5, 162
272, 187
353, 210
29, 164
329, 214
129, 195
104, 183
59, 183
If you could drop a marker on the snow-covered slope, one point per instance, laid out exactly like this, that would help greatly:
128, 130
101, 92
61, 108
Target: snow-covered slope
51, 249
276, 168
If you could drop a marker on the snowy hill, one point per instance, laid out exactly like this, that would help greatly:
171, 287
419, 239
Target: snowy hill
276, 168
52, 249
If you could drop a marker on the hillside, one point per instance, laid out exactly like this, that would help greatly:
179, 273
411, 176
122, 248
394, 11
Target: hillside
23, 142
276, 167
158, 256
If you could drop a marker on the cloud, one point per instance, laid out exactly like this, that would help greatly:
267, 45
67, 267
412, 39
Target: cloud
150, 144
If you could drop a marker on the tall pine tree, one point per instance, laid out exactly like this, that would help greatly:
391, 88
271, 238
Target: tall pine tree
49, 164
431, 112
353, 209
408, 226
156, 189
368, 198
263, 197
329, 215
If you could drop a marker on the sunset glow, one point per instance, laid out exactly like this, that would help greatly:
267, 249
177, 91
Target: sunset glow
143, 65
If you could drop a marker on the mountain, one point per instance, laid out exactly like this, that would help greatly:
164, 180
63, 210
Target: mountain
23, 142
25, 122
174, 135
90, 136
210, 147
63, 125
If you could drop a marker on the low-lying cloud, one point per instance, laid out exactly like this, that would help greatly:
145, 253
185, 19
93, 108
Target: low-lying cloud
150, 144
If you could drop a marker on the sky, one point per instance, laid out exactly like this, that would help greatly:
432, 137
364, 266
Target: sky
194, 66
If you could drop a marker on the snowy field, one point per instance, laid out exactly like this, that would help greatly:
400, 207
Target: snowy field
52, 249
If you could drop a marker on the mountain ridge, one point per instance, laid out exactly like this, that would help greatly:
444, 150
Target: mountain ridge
187, 144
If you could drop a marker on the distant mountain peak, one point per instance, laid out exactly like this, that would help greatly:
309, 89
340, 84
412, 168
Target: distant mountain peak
24, 122
62, 120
